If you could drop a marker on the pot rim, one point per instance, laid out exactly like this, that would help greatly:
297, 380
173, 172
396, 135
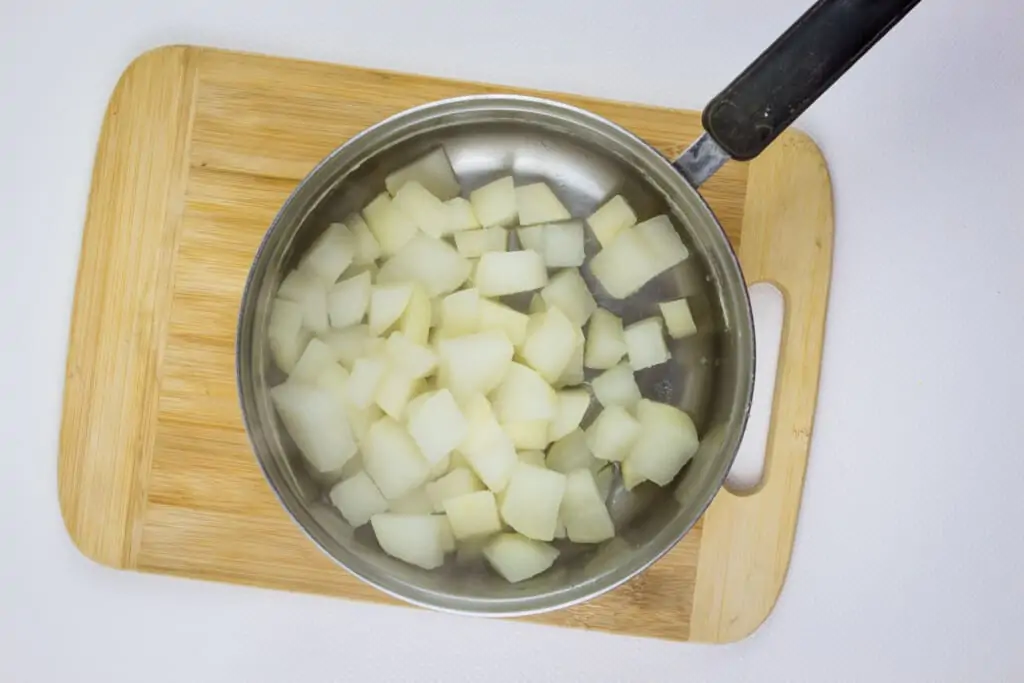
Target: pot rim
331, 171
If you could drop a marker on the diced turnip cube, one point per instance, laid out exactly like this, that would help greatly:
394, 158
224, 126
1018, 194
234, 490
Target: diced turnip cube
392, 460
429, 213
569, 292
502, 273
361, 420
391, 227
458, 482
296, 284
348, 301
444, 529
524, 395
678, 318
583, 511
355, 464
534, 457
433, 171
472, 515
532, 238
387, 304
550, 344
310, 293
286, 336
630, 476
476, 243
613, 217
314, 312
436, 313
429, 261
358, 499
440, 468
528, 434
624, 265
571, 452
668, 440
367, 249
415, 404
538, 204
461, 313
413, 359
531, 502
474, 363
537, 304
646, 344
395, 390
437, 425
415, 321
461, 215
352, 343
563, 244
663, 242
637, 255
315, 419
617, 387
572, 405
330, 254
335, 380
317, 367
416, 502
366, 376
415, 539
496, 316
613, 434
458, 459
495, 203
517, 558
606, 343
486, 447
573, 373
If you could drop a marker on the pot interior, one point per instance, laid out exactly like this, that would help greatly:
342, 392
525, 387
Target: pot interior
585, 160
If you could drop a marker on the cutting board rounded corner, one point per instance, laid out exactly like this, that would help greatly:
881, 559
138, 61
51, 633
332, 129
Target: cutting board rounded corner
89, 551
154, 57
804, 150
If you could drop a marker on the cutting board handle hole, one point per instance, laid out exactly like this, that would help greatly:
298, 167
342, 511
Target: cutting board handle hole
769, 312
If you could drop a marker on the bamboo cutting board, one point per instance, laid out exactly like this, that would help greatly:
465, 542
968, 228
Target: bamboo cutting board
198, 151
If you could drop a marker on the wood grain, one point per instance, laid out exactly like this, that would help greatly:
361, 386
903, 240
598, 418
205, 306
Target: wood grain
124, 284
786, 241
198, 151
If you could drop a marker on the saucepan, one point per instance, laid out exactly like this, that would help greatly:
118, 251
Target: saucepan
585, 159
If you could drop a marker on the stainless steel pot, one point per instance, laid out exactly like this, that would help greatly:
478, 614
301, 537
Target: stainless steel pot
585, 159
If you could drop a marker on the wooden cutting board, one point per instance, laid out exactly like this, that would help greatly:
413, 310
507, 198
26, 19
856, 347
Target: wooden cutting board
198, 151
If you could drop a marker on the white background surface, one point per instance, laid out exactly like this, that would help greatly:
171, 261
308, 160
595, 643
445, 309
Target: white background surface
910, 547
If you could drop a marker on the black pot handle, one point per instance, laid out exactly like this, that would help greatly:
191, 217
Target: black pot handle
786, 79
